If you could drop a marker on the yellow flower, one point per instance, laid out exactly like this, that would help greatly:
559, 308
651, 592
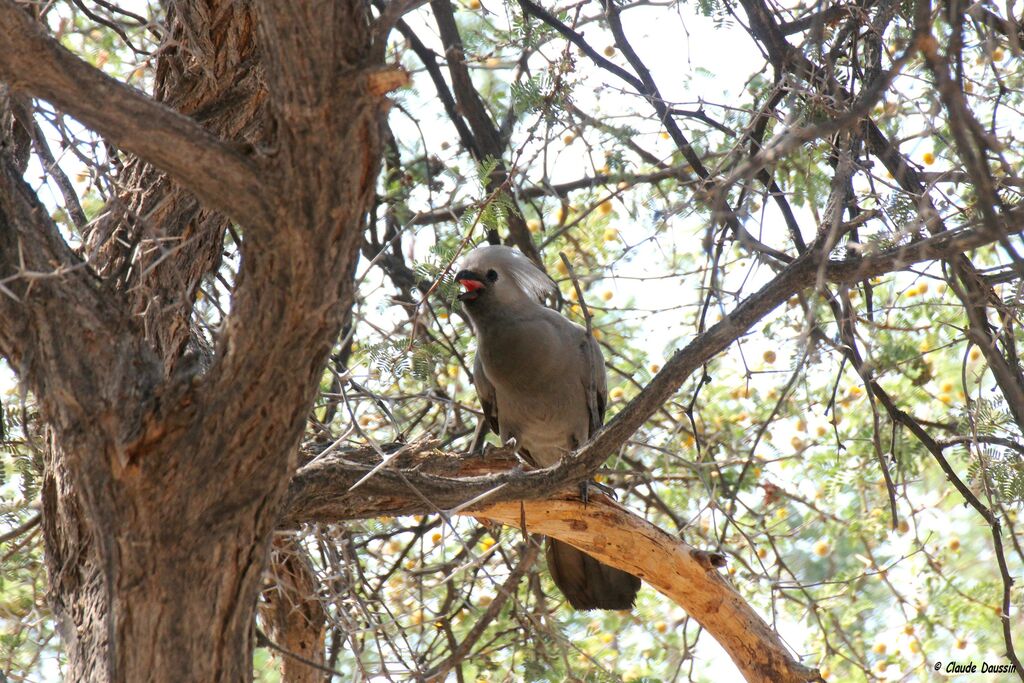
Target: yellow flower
879, 648
569, 137
473, 4
929, 158
609, 51
533, 225
616, 393
605, 208
610, 235
436, 538
822, 548
975, 353
607, 295
769, 356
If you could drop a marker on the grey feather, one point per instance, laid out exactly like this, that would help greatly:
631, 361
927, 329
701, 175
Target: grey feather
541, 380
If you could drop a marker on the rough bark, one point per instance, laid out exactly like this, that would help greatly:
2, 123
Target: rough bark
155, 563
293, 616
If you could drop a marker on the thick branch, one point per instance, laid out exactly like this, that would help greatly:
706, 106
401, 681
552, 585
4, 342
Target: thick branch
687, 576
217, 172
59, 323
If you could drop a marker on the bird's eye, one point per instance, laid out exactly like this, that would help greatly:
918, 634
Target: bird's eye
492, 275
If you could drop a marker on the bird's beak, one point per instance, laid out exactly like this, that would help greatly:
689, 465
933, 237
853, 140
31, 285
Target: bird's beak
471, 282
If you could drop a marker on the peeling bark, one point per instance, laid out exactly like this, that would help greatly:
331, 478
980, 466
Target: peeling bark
687, 576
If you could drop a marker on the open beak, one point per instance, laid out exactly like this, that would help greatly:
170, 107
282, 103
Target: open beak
471, 283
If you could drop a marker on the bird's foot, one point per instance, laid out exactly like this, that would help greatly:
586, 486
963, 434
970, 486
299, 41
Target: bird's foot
603, 488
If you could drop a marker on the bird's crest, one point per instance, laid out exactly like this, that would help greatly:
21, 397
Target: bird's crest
514, 264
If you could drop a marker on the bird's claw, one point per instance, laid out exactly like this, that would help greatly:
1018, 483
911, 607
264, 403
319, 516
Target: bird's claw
603, 488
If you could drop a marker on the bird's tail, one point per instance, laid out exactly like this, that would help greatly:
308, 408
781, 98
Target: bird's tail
587, 583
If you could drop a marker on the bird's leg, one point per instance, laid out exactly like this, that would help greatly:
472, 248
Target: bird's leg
585, 491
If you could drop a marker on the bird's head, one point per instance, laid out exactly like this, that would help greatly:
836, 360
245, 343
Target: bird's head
496, 275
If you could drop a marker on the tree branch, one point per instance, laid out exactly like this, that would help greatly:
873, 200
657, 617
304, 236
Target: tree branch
687, 576
216, 172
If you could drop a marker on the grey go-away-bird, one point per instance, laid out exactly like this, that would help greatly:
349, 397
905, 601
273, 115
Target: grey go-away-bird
542, 386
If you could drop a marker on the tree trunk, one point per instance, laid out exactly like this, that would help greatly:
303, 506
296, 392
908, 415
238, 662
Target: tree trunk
163, 478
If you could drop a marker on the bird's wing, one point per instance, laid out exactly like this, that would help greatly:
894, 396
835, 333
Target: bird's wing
595, 381
485, 392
